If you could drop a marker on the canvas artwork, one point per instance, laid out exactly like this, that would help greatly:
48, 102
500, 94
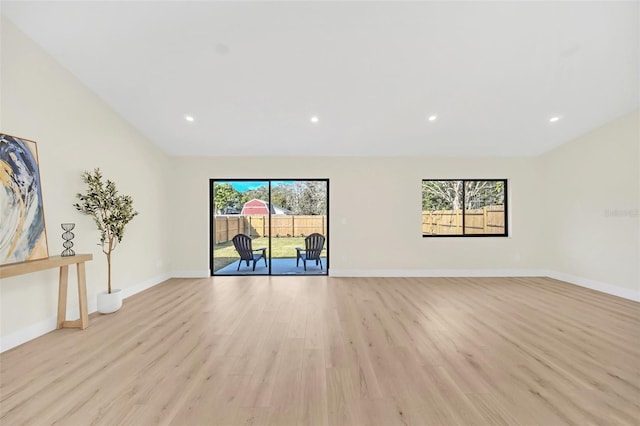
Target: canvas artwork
23, 235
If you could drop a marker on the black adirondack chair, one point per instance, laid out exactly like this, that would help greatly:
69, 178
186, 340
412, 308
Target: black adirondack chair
242, 243
314, 244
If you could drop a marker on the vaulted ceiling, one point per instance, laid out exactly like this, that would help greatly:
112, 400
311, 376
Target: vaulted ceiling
349, 78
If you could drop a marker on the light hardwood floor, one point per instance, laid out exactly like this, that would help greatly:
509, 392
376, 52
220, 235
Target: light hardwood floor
337, 351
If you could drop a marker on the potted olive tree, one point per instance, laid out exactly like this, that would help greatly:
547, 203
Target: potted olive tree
111, 212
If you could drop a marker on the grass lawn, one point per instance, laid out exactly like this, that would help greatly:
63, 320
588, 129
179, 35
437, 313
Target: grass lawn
225, 254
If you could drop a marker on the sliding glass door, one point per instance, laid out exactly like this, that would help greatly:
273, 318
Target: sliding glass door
269, 227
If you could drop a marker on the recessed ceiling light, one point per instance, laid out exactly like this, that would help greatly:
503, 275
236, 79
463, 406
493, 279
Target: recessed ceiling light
189, 118
433, 117
554, 119
314, 119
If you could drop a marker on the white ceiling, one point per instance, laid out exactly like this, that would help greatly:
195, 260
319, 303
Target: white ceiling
253, 73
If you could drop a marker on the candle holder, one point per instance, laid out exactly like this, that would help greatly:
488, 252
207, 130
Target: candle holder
67, 236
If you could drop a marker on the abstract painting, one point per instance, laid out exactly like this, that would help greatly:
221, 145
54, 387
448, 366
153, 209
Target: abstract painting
23, 235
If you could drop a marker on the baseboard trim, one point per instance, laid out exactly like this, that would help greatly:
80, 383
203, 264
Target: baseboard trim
613, 290
201, 273
571, 279
28, 333
436, 273
46, 326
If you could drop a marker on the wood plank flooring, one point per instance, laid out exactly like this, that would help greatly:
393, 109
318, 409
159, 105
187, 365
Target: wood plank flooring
337, 351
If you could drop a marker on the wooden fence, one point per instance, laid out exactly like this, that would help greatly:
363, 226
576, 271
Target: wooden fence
487, 220
258, 226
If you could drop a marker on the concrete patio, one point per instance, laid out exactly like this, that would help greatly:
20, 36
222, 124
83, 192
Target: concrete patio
285, 266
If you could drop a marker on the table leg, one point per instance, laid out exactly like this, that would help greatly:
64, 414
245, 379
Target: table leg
82, 296
62, 295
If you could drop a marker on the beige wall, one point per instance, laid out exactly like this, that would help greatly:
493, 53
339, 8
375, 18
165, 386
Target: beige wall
375, 207
75, 131
592, 188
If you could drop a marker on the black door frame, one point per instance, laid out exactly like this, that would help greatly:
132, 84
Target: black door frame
268, 181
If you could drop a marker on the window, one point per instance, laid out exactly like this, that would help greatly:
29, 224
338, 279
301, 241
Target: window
465, 208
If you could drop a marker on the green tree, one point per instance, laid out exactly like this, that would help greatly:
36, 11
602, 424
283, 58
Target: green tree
259, 193
309, 198
281, 195
447, 195
225, 196
441, 195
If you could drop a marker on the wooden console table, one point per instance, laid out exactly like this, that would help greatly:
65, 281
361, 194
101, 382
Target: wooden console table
63, 263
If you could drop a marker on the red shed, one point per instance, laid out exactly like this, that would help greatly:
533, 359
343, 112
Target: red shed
261, 207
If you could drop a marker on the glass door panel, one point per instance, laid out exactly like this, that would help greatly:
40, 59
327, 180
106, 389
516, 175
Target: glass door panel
240, 207
300, 209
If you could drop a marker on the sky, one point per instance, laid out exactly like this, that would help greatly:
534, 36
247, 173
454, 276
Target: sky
246, 185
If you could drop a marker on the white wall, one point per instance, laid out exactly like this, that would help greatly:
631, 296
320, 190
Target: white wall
592, 188
375, 213
76, 131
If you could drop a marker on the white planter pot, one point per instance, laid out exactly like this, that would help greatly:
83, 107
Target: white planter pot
109, 303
